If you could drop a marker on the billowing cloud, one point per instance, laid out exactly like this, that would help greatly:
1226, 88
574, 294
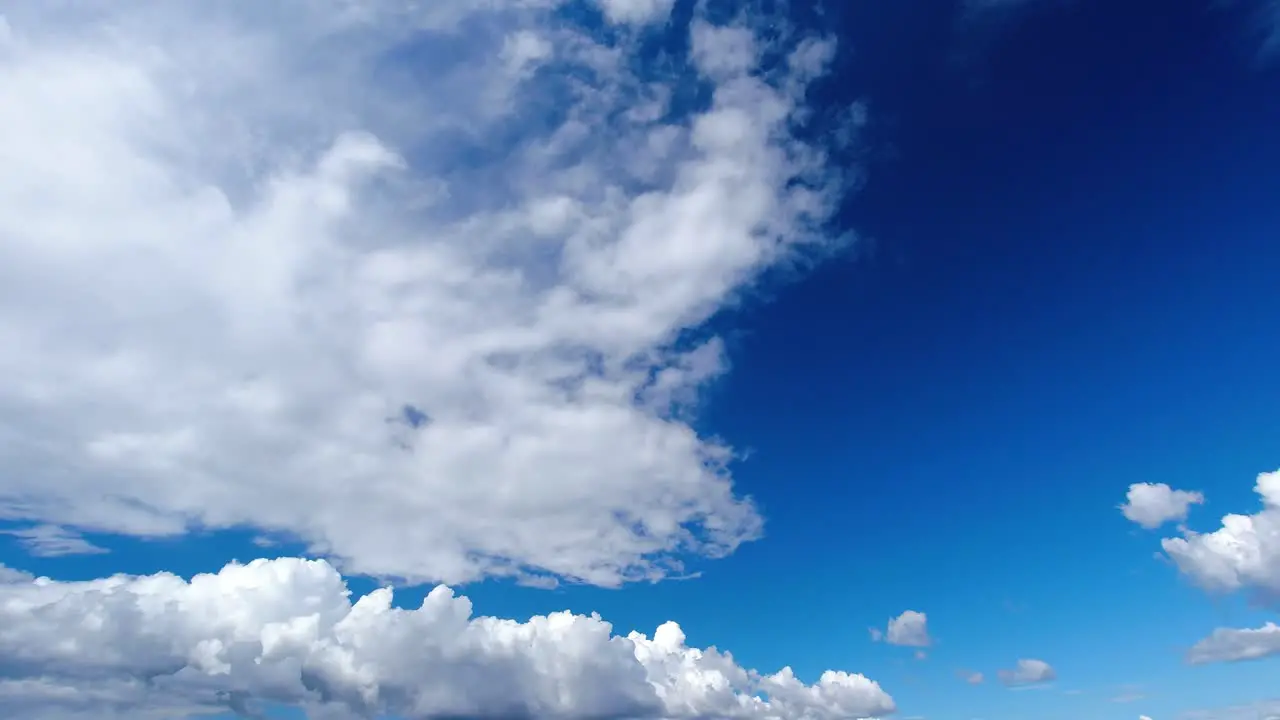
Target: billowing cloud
416, 283
286, 631
910, 629
1154, 504
1028, 672
1243, 554
1230, 645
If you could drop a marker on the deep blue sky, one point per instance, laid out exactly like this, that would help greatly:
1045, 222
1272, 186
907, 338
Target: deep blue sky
1072, 214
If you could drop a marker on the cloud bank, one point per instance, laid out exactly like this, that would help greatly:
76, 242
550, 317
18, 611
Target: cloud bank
416, 283
286, 631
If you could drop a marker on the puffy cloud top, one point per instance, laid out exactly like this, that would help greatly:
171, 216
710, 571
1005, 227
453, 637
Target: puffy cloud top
286, 631
1243, 554
1154, 504
909, 629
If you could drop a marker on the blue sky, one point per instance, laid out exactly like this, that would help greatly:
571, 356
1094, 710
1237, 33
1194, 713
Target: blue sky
1063, 284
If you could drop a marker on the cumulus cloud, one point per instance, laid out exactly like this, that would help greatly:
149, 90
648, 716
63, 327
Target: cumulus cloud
972, 677
417, 283
1230, 645
287, 631
1028, 672
1154, 504
910, 629
1244, 554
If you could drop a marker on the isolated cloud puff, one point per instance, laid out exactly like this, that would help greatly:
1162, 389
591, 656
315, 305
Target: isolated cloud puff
1243, 554
286, 631
1028, 672
1154, 504
910, 629
416, 283
1230, 645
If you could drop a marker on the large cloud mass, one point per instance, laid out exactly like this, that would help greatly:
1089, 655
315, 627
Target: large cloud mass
410, 281
285, 631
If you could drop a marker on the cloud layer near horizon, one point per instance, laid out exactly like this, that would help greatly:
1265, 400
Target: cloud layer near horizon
413, 282
286, 631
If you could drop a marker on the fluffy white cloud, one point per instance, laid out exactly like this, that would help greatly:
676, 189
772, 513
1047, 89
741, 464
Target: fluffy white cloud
910, 629
1230, 645
1243, 554
286, 631
1028, 672
417, 283
1154, 504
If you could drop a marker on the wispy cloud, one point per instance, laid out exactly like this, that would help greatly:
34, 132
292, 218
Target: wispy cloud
53, 541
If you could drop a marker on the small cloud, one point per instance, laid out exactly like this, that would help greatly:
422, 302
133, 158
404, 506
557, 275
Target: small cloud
922, 655
1231, 645
1028, 672
1144, 717
54, 541
1151, 505
910, 629
876, 634
972, 677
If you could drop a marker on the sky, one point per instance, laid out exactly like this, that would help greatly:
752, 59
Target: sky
640, 359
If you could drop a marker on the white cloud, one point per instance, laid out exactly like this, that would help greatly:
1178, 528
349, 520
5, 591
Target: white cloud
53, 541
286, 631
973, 678
1154, 504
11, 575
1230, 645
1144, 717
910, 629
1028, 672
1243, 554
413, 282
636, 11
